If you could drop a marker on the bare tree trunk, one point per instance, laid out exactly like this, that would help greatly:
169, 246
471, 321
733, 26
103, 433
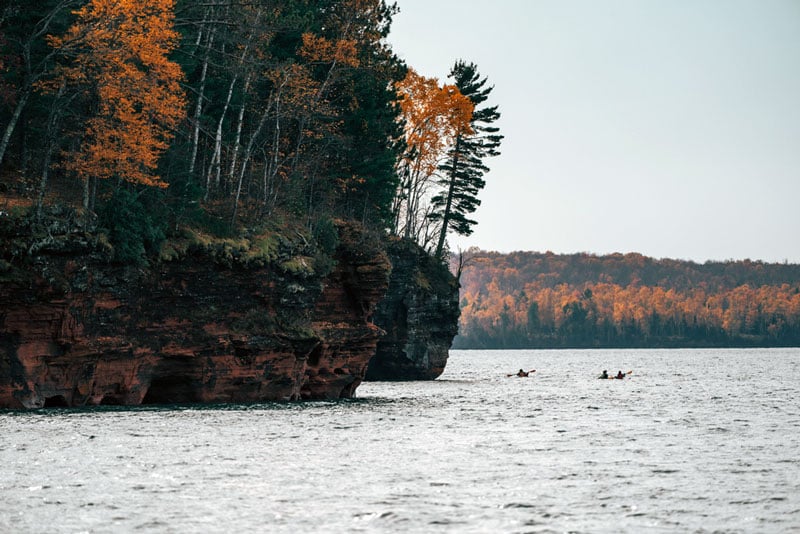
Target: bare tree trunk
216, 161
397, 201
33, 73
53, 121
275, 163
86, 194
237, 144
93, 199
216, 168
449, 203
23, 99
246, 159
199, 107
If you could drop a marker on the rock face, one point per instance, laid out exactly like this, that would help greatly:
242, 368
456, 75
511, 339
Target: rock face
419, 314
251, 320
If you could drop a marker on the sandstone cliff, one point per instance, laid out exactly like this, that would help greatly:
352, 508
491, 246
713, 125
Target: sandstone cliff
255, 319
419, 314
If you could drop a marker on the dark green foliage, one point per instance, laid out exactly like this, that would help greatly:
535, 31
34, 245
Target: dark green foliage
367, 163
133, 230
25, 59
326, 235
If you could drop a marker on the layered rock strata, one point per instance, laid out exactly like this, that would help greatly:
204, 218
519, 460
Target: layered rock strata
419, 314
211, 321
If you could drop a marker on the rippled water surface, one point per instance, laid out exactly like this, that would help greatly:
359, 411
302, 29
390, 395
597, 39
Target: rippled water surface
693, 441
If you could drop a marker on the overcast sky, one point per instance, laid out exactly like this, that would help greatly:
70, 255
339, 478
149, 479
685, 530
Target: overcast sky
665, 127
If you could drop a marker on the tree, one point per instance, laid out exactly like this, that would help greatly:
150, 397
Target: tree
434, 117
25, 57
323, 118
463, 172
364, 166
120, 64
293, 109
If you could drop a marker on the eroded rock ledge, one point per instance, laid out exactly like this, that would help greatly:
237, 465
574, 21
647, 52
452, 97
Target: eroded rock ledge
248, 320
420, 315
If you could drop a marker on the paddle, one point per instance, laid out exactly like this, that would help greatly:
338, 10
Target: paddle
522, 376
616, 376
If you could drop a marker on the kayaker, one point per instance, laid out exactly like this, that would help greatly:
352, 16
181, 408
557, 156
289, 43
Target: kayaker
604, 375
620, 375
522, 373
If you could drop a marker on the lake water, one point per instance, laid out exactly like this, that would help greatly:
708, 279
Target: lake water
692, 441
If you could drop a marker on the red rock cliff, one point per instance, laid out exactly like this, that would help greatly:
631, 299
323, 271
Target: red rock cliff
214, 321
419, 313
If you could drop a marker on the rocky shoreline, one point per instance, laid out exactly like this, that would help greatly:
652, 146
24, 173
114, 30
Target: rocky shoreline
261, 318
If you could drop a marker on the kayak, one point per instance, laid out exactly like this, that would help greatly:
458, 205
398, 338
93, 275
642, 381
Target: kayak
615, 377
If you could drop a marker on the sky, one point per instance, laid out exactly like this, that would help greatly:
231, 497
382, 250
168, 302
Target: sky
670, 128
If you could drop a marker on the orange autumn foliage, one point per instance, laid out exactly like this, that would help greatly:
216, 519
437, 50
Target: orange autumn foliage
433, 116
120, 54
321, 50
546, 300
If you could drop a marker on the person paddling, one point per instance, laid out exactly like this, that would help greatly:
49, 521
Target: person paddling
522, 373
620, 375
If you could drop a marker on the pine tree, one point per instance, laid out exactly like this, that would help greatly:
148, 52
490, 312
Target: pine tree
462, 174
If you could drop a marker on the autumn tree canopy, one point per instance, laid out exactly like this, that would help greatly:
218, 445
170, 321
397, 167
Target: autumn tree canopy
118, 51
433, 117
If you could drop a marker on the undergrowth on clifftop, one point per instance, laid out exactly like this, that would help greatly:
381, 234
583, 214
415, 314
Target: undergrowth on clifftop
128, 232
287, 249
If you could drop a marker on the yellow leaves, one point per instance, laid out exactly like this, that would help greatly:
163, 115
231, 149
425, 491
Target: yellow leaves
121, 49
433, 116
321, 50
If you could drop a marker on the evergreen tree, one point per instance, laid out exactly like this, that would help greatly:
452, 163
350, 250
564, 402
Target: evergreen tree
463, 172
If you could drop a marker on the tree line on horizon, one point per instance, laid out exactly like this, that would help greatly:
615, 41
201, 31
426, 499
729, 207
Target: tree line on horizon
226, 114
546, 300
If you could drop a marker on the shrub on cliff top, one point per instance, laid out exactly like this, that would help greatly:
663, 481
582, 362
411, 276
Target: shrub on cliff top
326, 235
258, 250
132, 229
263, 249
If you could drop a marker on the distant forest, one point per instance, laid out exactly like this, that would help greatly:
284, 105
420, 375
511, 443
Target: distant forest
546, 300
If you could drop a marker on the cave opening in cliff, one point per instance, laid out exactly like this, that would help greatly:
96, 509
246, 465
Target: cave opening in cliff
171, 390
56, 401
110, 400
315, 356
